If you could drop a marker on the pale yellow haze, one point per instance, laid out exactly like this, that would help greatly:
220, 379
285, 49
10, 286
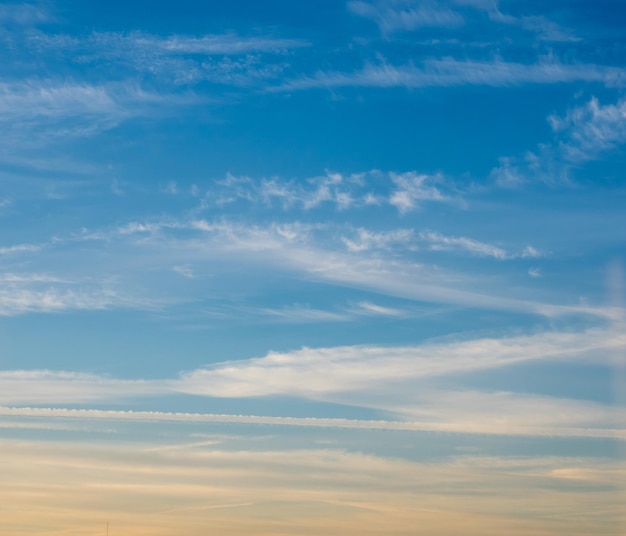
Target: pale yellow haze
196, 489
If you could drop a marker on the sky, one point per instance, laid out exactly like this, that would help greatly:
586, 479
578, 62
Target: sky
318, 267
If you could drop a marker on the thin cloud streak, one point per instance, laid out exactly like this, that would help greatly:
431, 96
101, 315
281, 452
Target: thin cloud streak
36, 110
454, 73
403, 16
312, 422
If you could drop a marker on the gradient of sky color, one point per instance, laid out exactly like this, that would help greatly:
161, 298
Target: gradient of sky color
315, 267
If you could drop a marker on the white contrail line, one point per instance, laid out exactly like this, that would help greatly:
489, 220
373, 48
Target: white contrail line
316, 422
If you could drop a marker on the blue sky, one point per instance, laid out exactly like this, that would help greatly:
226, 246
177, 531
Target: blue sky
408, 214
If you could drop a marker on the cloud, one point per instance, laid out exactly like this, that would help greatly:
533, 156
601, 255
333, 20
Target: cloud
132, 44
300, 314
40, 109
53, 387
30, 278
406, 15
441, 242
412, 188
366, 240
228, 59
368, 308
545, 29
19, 248
377, 377
586, 133
17, 301
332, 188
364, 368
222, 44
316, 252
483, 414
450, 72
452, 243
590, 130
397, 380
405, 191
184, 271
393, 16
147, 490
24, 15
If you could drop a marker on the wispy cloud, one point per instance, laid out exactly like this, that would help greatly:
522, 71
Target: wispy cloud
585, 133
40, 109
229, 59
413, 188
108, 44
441, 242
393, 16
451, 72
590, 130
24, 14
505, 414
377, 377
366, 239
50, 387
361, 368
368, 308
405, 15
404, 191
317, 252
300, 314
17, 300
19, 248
348, 491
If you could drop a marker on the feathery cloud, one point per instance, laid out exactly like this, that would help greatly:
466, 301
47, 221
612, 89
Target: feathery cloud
450, 72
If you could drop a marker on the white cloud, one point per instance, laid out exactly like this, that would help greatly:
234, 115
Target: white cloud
406, 15
591, 130
412, 188
221, 44
30, 278
441, 242
16, 301
53, 387
451, 72
464, 413
397, 380
313, 252
406, 190
364, 368
36, 110
301, 314
585, 133
366, 240
530, 252
24, 14
451, 243
228, 59
134, 44
184, 271
19, 248
368, 308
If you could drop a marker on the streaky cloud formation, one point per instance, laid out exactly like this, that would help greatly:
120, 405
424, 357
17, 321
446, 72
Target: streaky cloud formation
305, 268
450, 72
